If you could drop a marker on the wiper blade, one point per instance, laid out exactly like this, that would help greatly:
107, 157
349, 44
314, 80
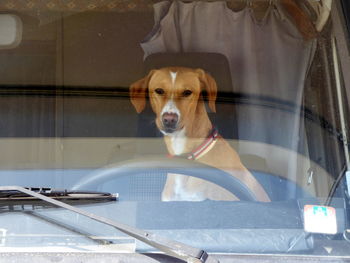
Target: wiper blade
168, 246
9, 194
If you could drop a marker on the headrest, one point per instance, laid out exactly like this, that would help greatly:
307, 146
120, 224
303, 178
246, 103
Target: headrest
214, 63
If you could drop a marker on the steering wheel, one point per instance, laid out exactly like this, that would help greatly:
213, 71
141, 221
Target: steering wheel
174, 165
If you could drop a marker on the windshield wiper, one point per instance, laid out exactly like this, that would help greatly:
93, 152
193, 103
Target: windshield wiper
9, 195
168, 246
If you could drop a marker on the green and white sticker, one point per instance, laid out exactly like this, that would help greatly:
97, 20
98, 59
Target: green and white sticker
320, 219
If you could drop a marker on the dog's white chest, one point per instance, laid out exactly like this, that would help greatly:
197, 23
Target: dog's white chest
178, 141
177, 184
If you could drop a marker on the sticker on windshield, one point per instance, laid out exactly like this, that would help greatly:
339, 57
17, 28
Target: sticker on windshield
320, 219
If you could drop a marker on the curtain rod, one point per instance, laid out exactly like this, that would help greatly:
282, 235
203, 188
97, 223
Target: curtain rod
298, 15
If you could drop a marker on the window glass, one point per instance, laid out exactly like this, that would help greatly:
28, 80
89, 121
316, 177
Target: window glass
219, 119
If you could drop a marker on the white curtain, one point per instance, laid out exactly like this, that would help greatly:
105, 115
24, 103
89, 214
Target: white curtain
268, 58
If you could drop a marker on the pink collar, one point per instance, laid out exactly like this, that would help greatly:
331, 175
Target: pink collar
203, 148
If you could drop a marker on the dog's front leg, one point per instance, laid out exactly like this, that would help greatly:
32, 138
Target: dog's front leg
173, 186
176, 189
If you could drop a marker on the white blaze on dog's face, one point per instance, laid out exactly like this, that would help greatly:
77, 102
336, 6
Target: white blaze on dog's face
170, 114
174, 95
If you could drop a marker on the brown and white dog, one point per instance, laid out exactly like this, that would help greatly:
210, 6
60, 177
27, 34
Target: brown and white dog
175, 95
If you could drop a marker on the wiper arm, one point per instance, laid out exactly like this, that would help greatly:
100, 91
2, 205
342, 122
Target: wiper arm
13, 195
168, 246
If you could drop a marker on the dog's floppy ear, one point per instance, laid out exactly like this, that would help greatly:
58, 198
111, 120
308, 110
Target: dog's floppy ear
138, 91
209, 84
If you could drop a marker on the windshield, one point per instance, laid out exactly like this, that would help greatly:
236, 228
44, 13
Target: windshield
219, 124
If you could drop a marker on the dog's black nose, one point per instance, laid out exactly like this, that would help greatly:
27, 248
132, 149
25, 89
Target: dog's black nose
170, 120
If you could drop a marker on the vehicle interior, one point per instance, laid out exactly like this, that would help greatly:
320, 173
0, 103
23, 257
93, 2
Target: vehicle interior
66, 121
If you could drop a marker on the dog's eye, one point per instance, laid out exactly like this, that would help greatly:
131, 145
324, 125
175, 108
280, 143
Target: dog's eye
186, 93
159, 91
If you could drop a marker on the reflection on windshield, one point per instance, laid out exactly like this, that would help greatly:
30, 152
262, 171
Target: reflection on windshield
219, 119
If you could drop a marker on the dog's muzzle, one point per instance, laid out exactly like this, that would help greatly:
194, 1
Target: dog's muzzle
170, 121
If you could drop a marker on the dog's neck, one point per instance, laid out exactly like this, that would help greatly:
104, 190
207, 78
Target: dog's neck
192, 135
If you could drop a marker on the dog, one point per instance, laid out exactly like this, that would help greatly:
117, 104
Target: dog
176, 97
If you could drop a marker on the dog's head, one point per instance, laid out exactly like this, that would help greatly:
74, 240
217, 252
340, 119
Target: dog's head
175, 94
